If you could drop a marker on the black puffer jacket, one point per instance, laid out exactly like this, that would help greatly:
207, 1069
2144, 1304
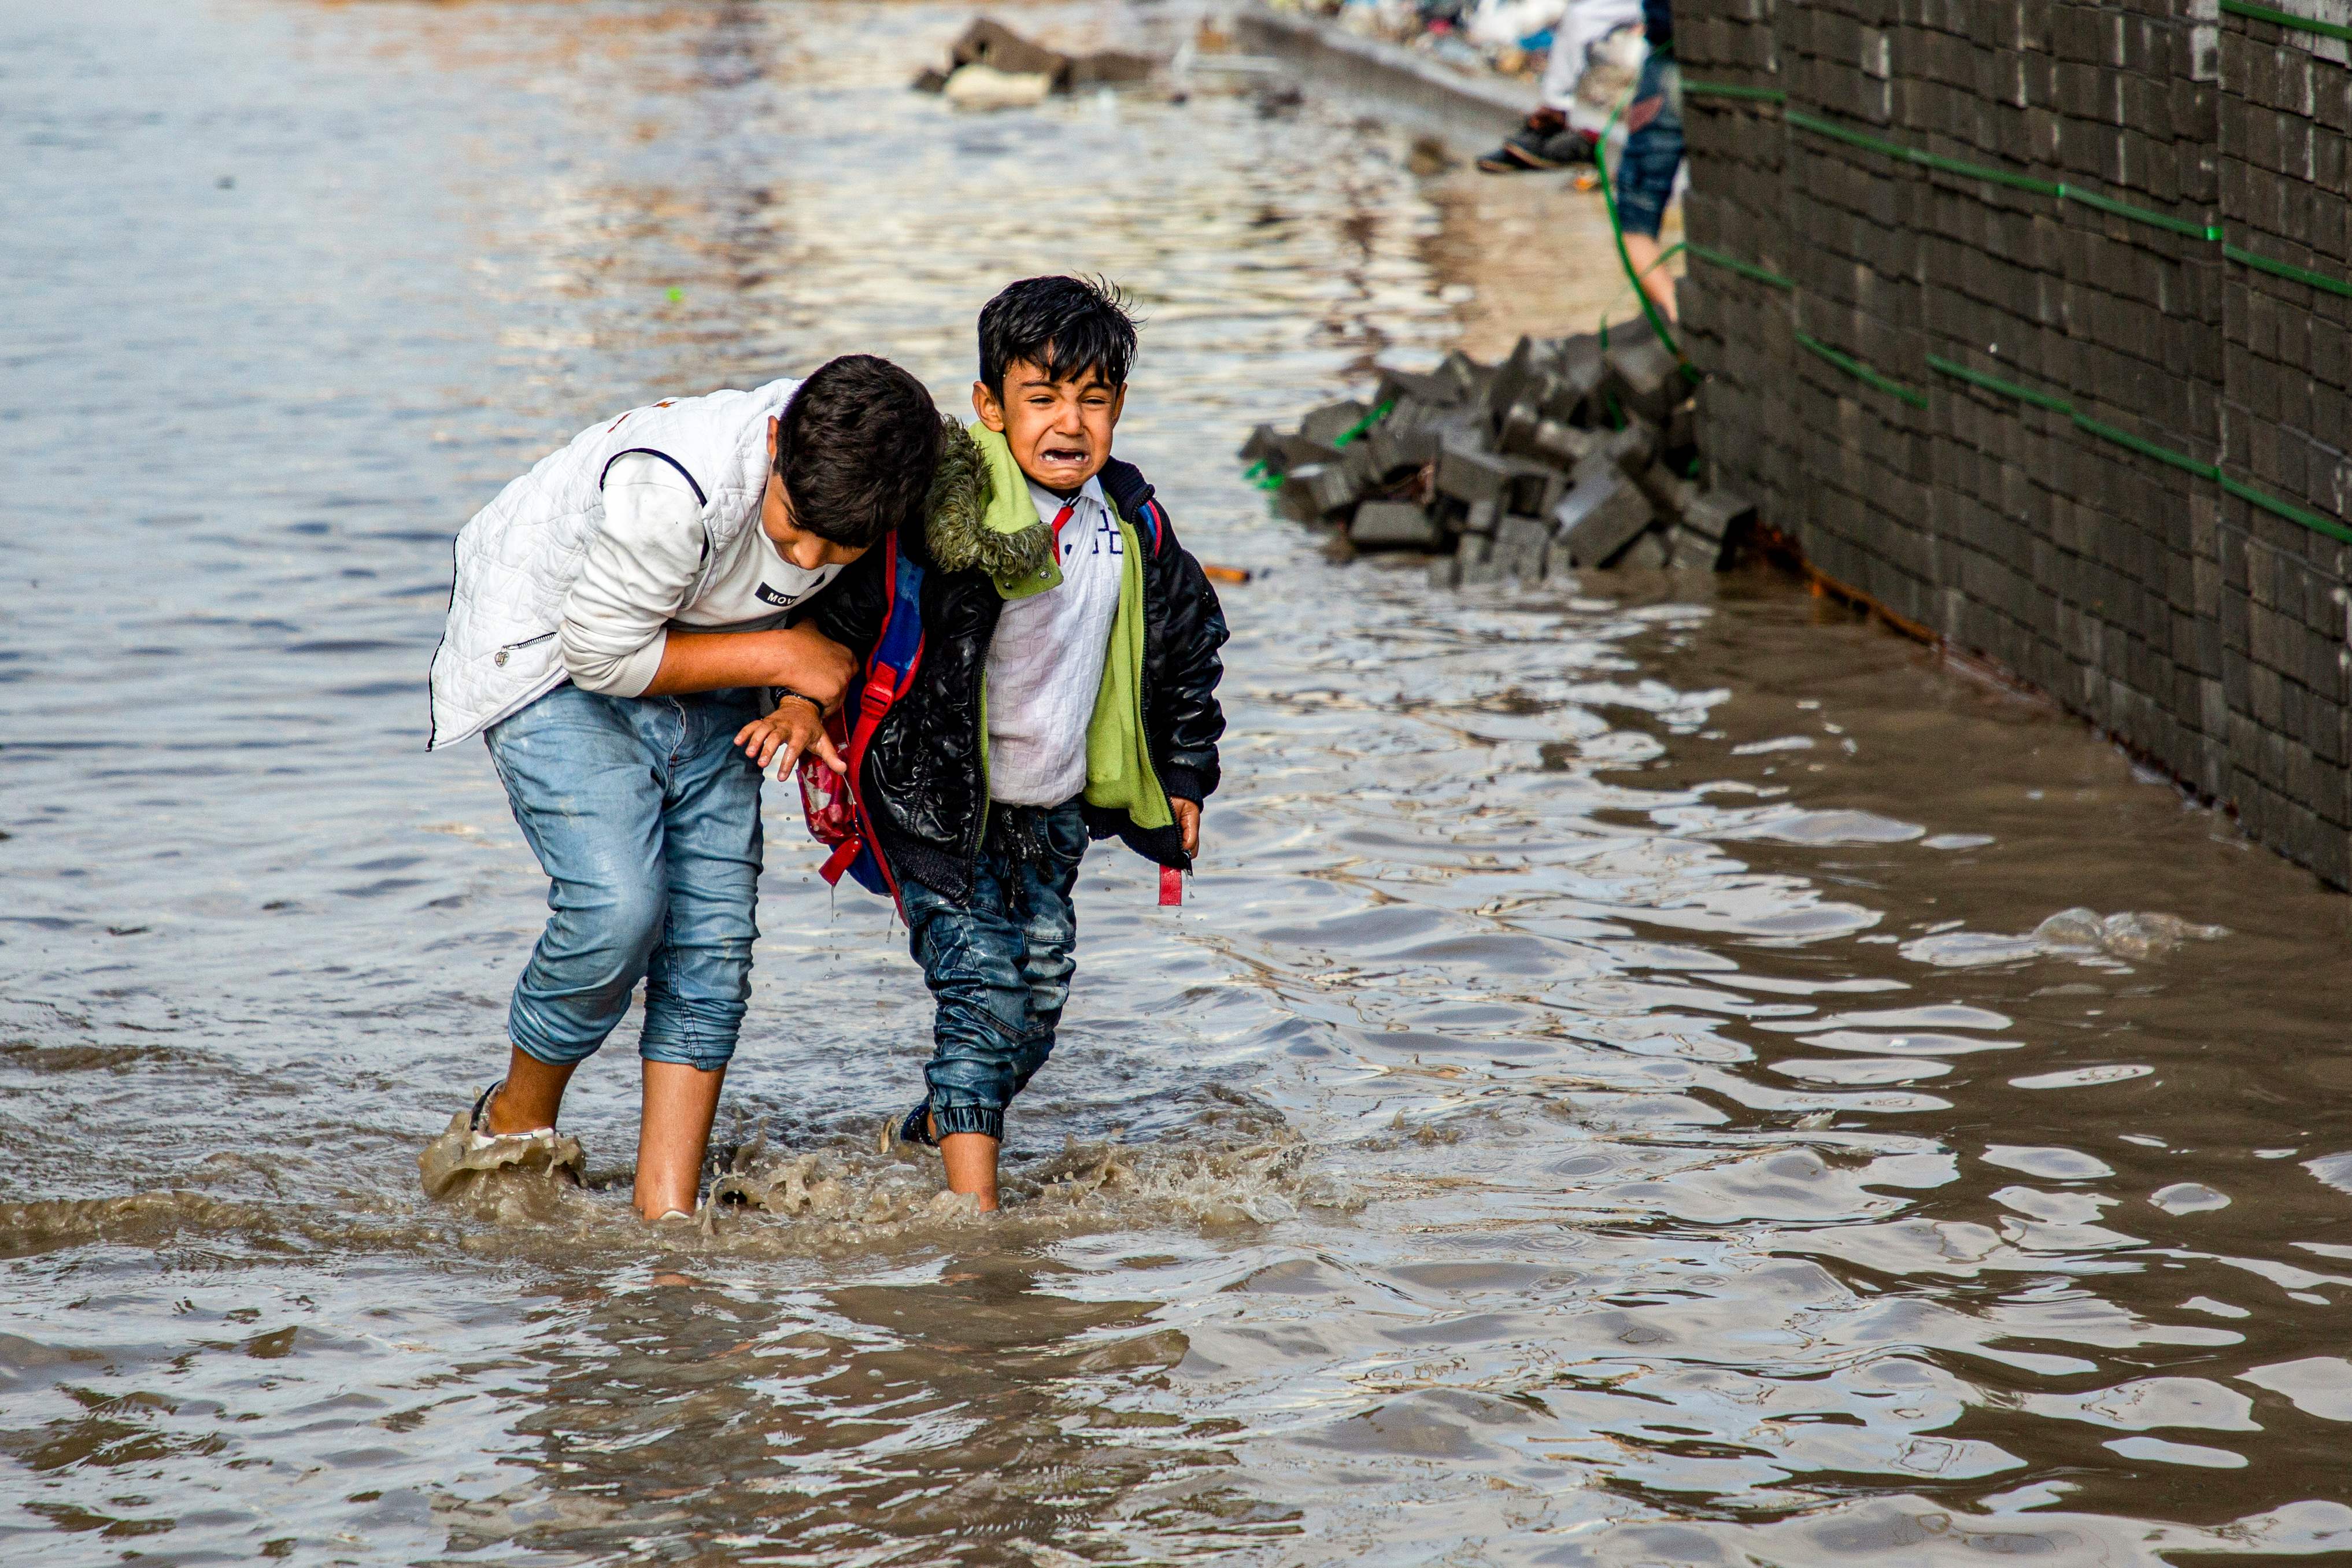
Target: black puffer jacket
923, 779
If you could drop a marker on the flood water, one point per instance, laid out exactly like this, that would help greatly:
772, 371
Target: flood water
1603, 1102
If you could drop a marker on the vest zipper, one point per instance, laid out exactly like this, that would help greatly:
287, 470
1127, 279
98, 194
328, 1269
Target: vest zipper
499, 657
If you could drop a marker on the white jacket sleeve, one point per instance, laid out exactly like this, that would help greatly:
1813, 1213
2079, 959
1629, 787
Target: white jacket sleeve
640, 569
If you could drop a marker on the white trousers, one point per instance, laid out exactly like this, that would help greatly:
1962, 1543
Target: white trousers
1587, 23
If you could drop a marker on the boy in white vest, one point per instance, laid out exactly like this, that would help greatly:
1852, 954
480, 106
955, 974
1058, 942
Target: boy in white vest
623, 616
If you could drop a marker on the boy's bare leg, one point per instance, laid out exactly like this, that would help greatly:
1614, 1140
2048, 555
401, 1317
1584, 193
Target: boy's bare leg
532, 1094
673, 1132
972, 1165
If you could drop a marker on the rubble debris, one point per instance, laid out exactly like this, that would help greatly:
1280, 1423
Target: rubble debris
1110, 67
988, 42
1574, 454
985, 87
1392, 525
990, 66
1601, 516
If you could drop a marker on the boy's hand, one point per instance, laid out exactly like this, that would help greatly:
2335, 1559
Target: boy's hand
1188, 817
794, 728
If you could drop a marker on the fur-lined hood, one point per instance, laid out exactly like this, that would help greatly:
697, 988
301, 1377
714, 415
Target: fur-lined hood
979, 517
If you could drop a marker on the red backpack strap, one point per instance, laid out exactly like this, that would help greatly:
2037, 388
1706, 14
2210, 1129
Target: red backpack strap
890, 669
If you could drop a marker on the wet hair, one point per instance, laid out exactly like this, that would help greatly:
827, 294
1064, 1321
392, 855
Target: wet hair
856, 449
1068, 325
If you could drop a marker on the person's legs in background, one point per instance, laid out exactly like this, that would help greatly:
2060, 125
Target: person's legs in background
1563, 129
1645, 174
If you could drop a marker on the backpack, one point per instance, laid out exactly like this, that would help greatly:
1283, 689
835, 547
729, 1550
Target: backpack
829, 800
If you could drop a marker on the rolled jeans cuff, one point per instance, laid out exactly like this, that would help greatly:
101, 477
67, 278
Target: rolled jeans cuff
949, 1119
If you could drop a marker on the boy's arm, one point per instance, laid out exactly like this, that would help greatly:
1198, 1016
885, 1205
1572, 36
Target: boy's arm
799, 658
1195, 629
640, 569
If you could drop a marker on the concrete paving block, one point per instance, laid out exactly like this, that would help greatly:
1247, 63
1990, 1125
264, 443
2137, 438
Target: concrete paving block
1720, 515
1392, 525
1444, 571
1520, 544
1298, 451
1643, 378
1601, 517
1562, 445
1474, 572
1466, 374
1573, 389
1406, 446
1336, 488
1669, 491
1468, 473
1692, 550
1367, 464
1333, 420
1264, 443
1682, 427
1428, 388
1626, 451
1515, 437
1295, 497
1647, 552
1512, 378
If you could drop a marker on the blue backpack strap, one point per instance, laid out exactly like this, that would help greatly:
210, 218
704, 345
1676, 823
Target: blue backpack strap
902, 633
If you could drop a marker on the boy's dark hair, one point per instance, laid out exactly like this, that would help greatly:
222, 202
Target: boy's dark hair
1068, 325
856, 449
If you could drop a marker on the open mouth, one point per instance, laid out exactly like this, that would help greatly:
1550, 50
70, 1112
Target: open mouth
1063, 455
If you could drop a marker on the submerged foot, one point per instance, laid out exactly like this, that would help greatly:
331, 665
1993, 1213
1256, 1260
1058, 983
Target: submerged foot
468, 1151
915, 1126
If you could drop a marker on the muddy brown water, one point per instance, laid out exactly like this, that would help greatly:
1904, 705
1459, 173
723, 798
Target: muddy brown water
1603, 1102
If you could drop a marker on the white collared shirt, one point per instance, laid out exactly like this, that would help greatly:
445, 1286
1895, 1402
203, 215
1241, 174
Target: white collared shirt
1045, 662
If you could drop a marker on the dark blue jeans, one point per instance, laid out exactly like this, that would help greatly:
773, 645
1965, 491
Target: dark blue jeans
1653, 147
999, 967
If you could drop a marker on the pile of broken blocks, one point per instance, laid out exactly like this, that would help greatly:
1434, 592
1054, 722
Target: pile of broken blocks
990, 66
1573, 454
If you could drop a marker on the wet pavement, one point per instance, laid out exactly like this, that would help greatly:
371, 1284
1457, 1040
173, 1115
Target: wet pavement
1605, 1100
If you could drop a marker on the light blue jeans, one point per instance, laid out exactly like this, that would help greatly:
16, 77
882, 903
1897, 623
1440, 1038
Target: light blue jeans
646, 820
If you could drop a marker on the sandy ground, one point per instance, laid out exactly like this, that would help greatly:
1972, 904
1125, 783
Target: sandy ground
1555, 269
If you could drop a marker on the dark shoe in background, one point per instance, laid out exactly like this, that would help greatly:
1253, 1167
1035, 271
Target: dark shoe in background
1545, 141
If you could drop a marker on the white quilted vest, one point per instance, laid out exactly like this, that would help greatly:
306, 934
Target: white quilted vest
518, 557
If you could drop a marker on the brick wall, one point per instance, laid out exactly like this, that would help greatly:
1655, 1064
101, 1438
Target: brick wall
2029, 320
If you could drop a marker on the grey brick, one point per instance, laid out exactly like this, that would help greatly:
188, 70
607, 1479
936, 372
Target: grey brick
1392, 525
1601, 517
